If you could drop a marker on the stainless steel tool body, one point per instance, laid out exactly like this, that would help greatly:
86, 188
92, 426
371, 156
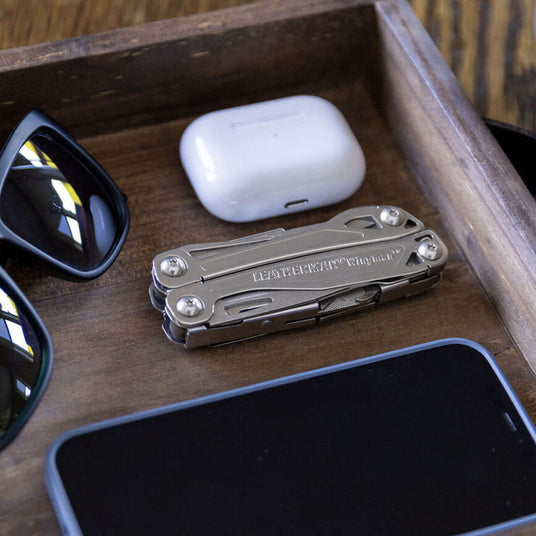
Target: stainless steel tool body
227, 291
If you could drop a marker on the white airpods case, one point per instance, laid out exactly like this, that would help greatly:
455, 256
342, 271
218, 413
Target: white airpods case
272, 158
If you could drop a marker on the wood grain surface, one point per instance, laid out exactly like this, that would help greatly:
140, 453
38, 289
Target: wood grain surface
484, 204
489, 44
111, 357
130, 365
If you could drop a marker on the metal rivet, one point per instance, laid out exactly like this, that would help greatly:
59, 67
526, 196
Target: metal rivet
430, 250
173, 266
391, 216
189, 306
266, 324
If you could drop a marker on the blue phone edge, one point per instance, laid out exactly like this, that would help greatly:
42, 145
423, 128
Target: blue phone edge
58, 495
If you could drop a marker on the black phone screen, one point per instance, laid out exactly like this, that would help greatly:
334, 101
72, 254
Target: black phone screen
428, 442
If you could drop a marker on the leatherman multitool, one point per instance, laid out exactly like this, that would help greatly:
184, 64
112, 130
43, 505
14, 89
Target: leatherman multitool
227, 291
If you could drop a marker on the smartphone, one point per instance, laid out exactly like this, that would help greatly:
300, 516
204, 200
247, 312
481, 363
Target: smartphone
425, 440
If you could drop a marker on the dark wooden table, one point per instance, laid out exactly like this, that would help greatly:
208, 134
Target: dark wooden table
489, 44
111, 356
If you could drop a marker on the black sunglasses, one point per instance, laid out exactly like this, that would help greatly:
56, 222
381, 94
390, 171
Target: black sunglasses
59, 210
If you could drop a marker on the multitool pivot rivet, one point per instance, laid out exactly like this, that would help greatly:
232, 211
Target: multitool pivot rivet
430, 250
391, 216
190, 306
172, 266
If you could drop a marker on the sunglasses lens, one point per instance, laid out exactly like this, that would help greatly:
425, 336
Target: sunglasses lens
54, 202
21, 366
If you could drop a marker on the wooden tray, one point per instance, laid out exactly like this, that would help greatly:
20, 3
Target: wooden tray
128, 94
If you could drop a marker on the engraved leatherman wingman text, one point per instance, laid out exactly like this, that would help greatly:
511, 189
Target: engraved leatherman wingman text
322, 266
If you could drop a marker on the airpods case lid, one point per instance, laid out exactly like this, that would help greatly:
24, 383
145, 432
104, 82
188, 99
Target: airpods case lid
272, 158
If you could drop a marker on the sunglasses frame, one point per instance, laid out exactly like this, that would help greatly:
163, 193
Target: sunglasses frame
47, 357
30, 125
